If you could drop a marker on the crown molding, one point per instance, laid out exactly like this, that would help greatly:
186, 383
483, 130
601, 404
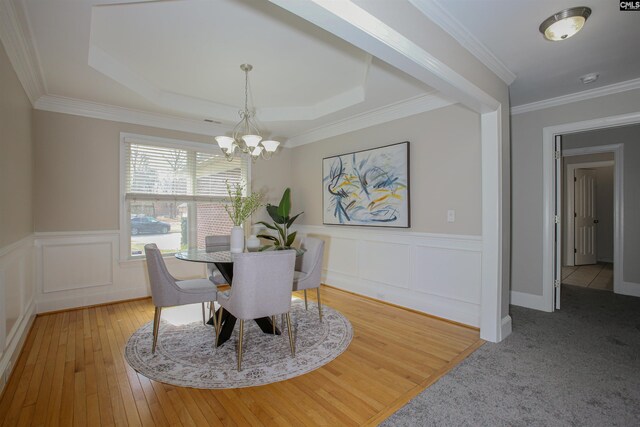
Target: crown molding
381, 115
578, 96
436, 13
21, 51
78, 107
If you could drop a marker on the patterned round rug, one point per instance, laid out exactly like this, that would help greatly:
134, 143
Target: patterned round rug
185, 355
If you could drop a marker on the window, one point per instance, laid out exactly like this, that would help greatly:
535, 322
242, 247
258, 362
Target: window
172, 193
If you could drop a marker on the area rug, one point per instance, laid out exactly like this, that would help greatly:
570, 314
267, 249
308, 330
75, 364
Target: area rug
185, 355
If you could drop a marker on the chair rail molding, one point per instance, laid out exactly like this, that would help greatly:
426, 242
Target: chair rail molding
439, 274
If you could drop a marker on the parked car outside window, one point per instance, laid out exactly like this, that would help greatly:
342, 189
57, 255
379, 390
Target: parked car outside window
148, 224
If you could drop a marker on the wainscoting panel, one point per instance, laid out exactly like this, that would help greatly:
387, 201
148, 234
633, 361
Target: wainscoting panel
434, 273
78, 269
449, 273
386, 263
17, 308
342, 256
67, 266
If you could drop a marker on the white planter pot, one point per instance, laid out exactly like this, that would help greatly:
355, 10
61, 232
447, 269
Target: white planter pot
237, 239
253, 243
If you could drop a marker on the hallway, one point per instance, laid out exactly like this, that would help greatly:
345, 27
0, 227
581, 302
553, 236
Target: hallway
596, 276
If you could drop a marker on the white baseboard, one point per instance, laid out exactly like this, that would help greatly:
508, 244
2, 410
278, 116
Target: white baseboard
17, 301
505, 327
14, 346
609, 260
535, 302
67, 302
628, 288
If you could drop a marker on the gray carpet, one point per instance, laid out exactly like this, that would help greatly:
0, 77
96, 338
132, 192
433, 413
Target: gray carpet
579, 366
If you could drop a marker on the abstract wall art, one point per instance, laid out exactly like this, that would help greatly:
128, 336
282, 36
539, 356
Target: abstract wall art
369, 187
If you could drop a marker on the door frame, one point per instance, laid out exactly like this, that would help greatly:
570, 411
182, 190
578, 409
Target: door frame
548, 200
568, 208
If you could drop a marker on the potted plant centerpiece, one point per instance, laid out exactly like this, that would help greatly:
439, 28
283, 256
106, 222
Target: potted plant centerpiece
281, 223
239, 209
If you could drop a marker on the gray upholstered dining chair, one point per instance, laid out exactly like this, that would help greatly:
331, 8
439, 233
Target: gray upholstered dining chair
261, 287
166, 291
217, 243
309, 269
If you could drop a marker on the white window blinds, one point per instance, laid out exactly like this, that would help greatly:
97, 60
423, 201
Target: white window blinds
163, 172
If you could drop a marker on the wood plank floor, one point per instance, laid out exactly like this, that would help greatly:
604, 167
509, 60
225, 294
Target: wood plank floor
72, 371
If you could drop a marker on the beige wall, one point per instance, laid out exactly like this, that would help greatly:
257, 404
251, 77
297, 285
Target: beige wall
526, 162
77, 179
16, 157
444, 163
403, 17
272, 177
604, 210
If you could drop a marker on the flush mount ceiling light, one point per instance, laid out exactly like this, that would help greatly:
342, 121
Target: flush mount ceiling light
245, 138
564, 24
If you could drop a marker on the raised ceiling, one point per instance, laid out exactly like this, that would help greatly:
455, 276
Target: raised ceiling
182, 58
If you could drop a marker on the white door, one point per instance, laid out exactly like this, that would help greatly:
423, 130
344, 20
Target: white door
585, 216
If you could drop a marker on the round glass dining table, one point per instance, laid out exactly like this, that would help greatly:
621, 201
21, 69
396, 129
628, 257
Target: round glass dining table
223, 260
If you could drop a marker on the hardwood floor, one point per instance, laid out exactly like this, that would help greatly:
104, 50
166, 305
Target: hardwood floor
72, 371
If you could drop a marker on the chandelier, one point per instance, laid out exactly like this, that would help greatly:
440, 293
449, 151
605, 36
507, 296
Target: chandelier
245, 138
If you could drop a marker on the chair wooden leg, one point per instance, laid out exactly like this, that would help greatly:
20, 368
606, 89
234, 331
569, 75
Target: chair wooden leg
240, 344
293, 348
218, 326
156, 327
273, 323
305, 299
204, 320
319, 304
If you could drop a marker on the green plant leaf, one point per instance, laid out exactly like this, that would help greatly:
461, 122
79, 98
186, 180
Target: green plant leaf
293, 219
291, 239
268, 237
275, 215
284, 208
269, 226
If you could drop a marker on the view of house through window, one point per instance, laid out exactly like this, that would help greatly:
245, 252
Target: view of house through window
174, 195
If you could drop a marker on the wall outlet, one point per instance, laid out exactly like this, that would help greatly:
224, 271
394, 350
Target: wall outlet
451, 215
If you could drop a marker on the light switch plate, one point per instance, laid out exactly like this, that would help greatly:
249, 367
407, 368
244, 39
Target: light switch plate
451, 215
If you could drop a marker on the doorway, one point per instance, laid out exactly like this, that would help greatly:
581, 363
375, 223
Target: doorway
576, 250
551, 218
587, 212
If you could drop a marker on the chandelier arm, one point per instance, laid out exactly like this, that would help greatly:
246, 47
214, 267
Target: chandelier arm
246, 126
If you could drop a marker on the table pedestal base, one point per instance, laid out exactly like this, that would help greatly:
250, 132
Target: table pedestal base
229, 322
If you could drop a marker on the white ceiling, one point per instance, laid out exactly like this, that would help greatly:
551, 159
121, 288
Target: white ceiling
608, 44
183, 58
180, 58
